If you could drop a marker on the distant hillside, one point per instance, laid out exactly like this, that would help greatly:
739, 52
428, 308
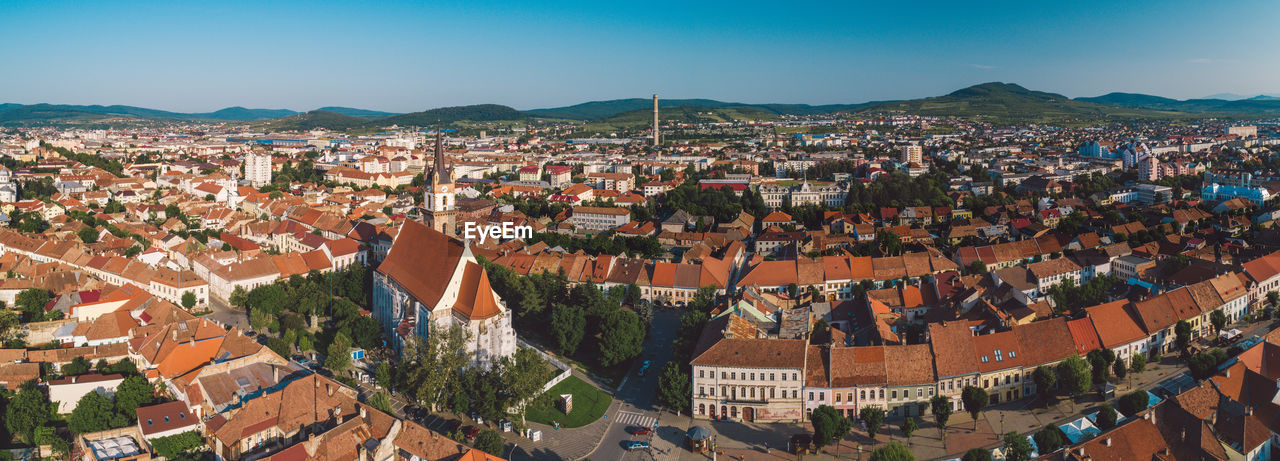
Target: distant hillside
1258, 105
684, 114
240, 113
446, 115
356, 112
1008, 102
595, 110
312, 120
12, 114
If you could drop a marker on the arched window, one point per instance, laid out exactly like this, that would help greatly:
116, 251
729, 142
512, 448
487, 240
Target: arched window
702, 408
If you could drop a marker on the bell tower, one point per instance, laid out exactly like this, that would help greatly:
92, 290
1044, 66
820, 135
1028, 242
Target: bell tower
438, 199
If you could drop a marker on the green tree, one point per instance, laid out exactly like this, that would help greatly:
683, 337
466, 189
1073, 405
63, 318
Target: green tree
975, 399
829, 426
1119, 368
26, 411
1273, 298
1182, 334
381, 402
88, 235
188, 300
78, 366
1049, 439
523, 376
674, 388
489, 441
1106, 418
1218, 320
892, 451
1099, 367
31, 302
173, 446
941, 407
1138, 363
133, 393
239, 297
92, 414
1017, 447
873, 417
1074, 376
568, 325
621, 336
1133, 402
338, 355
432, 366
1045, 380
976, 454
909, 427
382, 374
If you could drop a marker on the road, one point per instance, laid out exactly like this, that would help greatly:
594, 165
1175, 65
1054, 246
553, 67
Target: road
224, 314
638, 407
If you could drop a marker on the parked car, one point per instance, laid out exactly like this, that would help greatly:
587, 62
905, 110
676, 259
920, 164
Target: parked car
644, 367
641, 431
636, 445
471, 432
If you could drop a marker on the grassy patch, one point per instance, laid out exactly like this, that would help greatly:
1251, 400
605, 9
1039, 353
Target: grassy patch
589, 404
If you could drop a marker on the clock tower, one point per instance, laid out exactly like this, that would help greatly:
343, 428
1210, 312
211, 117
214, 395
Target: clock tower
439, 198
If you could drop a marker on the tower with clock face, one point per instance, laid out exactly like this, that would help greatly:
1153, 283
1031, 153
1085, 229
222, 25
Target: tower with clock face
438, 199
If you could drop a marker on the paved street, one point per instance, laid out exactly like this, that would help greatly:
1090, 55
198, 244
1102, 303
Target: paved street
636, 407
224, 314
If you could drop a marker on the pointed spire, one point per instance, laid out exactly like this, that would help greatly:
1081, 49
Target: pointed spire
438, 169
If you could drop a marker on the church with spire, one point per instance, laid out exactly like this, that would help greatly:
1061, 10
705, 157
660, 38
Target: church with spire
438, 199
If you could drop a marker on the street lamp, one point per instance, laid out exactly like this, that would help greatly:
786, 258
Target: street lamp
513, 450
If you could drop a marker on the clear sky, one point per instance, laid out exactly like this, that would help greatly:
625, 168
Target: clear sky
409, 56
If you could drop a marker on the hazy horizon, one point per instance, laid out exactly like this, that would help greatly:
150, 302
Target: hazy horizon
403, 57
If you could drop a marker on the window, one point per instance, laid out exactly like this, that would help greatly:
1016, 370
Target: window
920, 392
863, 395
753, 392
753, 376
733, 375
770, 376
986, 383
882, 393
723, 375
849, 397
894, 395
701, 373
837, 397
784, 376
794, 394
795, 376
810, 395
822, 396
701, 390
771, 389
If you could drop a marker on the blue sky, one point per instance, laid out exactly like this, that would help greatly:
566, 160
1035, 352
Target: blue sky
408, 56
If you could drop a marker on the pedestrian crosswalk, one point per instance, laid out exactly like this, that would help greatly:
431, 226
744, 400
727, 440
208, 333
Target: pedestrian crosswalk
635, 419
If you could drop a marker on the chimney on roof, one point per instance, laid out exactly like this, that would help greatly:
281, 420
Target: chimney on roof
364, 412
175, 334
1106, 441
328, 388
1248, 411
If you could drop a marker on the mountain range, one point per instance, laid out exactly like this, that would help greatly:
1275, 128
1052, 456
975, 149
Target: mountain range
994, 101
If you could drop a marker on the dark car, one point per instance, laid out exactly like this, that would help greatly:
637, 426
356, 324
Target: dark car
471, 432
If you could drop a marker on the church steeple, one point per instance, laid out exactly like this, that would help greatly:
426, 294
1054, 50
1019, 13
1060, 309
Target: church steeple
438, 198
439, 174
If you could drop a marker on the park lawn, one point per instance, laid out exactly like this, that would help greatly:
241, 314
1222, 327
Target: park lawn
589, 404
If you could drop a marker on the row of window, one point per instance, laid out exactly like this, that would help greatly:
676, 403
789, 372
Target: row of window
862, 395
748, 376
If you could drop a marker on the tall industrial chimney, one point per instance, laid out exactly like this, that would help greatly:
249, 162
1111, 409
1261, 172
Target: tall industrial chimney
655, 120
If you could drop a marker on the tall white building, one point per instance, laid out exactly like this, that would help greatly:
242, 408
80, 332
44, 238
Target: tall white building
257, 169
913, 153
